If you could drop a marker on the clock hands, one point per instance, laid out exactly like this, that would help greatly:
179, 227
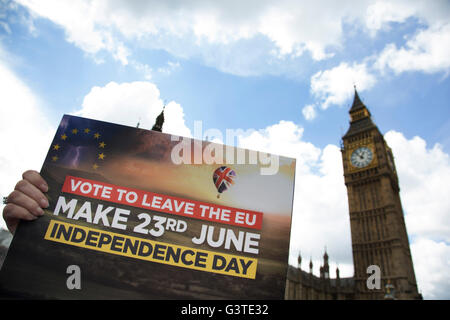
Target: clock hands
361, 157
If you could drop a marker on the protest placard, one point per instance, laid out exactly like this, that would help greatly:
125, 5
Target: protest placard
134, 224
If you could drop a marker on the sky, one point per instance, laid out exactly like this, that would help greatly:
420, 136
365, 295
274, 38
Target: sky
283, 72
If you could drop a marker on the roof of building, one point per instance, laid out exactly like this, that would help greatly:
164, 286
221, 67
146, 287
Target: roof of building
359, 126
309, 280
357, 103
362, 124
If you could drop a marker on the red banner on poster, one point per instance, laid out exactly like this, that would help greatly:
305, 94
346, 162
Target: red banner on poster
162, 203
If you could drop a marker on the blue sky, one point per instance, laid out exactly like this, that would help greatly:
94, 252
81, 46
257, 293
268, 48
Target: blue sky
281, 68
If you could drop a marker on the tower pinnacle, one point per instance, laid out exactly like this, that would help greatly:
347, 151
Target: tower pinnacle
357, 103
360, 117
159, 121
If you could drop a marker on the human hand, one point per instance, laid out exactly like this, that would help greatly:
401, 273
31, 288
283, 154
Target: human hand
26, 201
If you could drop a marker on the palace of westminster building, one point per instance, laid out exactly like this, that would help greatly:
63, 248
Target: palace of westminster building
378, 230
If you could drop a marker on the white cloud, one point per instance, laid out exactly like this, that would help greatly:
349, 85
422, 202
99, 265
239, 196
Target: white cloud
171, 67
428, 51
208, 29
309, 112
143, 68
431, 264
25, 132
5, 26
282, 29
381, 14
130, 102
335, 85
9, 14
424, 174
80, 21
106, 25
318, 221
283, 138
321, 221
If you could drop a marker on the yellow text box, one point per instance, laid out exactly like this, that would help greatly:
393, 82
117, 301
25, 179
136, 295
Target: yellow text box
149, 250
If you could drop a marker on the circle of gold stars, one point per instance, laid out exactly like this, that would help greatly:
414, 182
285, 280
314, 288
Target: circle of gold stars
62, 138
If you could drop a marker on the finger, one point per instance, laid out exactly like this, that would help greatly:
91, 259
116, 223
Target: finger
11, 222
32, 191
36, 179
13, 212
22, 200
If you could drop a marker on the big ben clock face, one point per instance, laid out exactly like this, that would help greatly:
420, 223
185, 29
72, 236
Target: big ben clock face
361, 157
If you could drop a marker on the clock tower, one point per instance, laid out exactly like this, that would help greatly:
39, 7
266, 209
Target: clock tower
377, 223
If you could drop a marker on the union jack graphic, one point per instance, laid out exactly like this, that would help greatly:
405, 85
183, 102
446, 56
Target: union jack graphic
223, 178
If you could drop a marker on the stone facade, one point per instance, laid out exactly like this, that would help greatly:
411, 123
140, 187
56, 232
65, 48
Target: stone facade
302, 285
